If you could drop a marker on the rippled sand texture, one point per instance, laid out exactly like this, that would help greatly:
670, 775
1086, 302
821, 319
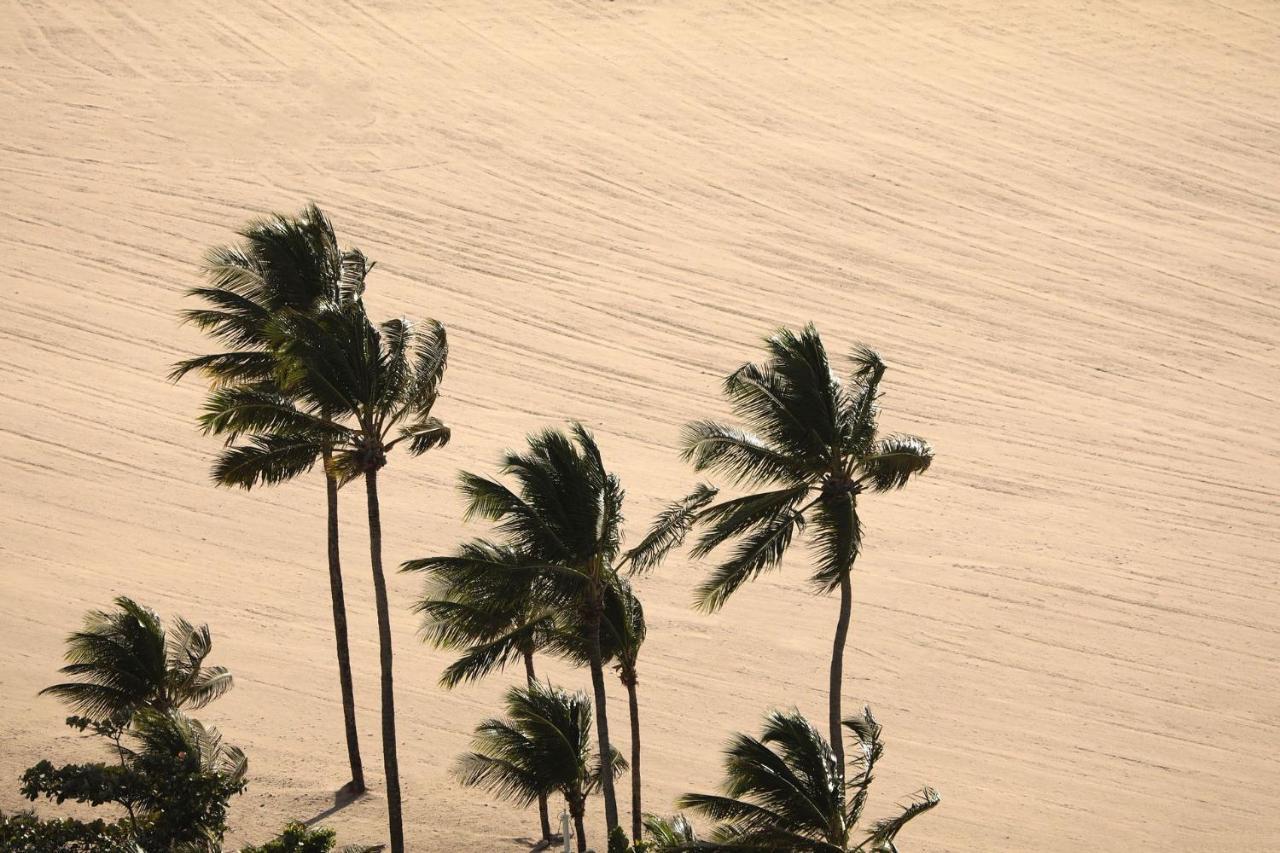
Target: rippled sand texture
1057, 220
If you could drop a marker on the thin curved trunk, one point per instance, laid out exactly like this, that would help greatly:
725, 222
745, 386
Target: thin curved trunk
339, 601
837, 669
544, 816
595, 658
391, 765
633, 702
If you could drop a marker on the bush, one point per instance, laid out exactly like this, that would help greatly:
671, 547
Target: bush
297, 838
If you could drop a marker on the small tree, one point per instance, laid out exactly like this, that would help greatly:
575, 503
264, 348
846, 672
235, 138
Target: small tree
785, 793
543, 747
124, 660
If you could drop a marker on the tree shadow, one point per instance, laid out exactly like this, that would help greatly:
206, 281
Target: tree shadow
342, 798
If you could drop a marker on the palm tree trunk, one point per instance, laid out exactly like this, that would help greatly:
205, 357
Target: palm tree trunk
391, 765
634, 704
578, 828
339, 601
595, 658
837, 669
544, 816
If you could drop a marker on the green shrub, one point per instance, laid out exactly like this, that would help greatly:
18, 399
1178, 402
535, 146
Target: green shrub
297, 838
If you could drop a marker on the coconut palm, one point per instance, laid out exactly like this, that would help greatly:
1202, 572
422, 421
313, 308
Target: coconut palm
785, 792
490, 631
285, 264
543, 747
670, 835
357, 390
565, 517
123, 661
812, 439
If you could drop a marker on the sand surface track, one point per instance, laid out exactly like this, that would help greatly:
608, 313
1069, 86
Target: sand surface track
1057, 220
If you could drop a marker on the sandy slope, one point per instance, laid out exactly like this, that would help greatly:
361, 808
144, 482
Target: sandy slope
1057, 220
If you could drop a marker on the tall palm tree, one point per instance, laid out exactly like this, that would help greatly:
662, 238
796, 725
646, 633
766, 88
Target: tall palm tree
785, 792
565, 517
123, 661
358, 391
543, 747
812, 438
285, 264
491, 631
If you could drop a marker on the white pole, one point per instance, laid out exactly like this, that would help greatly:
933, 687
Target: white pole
566, 831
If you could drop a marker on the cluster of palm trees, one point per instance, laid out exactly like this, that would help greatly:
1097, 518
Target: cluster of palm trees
304, 377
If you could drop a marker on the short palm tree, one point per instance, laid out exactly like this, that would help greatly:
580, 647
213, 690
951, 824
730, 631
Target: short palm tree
543, 747
358, 391
812, 439
670, 835
491, 631
285, 264
123, 661
785, 793
565, 518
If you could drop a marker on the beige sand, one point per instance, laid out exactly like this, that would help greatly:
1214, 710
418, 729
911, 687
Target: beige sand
1057, 220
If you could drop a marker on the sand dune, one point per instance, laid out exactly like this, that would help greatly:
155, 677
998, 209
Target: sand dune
1058, 221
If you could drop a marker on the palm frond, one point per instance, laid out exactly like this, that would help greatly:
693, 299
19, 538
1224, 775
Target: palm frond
892, 461
743, 457
669, 529
885, 831
761, 549
266, 460
836, 540
734, 517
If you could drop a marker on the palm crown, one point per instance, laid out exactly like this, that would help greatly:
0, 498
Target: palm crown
811, 436
785, 792
355, 390
542, 748
124, 661
284, 264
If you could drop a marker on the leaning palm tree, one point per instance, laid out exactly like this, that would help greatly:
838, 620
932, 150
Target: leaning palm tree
542, 748
285, 264
565, 518
786, 793
123, 661
811, 438
491, 631
358, 390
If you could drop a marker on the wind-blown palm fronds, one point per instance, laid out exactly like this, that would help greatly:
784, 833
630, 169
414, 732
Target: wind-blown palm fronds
785, 793
123, 660
542, 747
811, 442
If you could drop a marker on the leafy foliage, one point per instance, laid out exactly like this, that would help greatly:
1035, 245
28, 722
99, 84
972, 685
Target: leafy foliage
542, 747
299, 838
25, 833
123, 660
812, 438
175, 778
784, 792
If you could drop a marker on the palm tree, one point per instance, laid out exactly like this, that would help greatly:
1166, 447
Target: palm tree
123, 661
285, 264
565, 518
491, 631
786, 793
812, 438
358, 391
542, 748
671, 835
